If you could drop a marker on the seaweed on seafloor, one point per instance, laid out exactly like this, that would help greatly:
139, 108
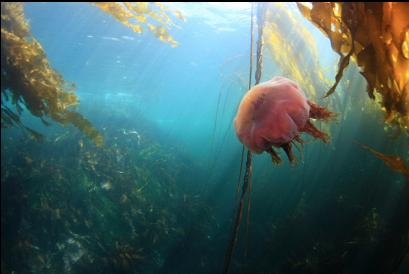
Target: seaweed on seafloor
28, 79
138, 15
376, 36
126, 257
74, 222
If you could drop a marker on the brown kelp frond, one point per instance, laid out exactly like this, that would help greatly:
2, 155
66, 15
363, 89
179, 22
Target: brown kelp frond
395, 163
376, 36
27, 77
139, 14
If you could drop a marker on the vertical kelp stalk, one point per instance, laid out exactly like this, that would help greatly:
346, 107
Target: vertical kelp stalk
261, 12
261, 8
241, 169
239, 213
250, 74
248, 172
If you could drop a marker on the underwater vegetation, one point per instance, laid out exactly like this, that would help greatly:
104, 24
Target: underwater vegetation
71, 207
127, 13
29, 81
379, 47
123, 196
134, 206
376, 36
379, 44
263, 122
292, 47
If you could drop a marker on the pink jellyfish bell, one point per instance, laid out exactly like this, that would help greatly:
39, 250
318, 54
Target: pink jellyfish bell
273, 114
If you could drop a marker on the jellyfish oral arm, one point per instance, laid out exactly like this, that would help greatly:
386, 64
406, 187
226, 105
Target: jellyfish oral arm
318, 112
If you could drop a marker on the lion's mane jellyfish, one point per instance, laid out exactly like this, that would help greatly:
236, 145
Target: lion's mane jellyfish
274, 114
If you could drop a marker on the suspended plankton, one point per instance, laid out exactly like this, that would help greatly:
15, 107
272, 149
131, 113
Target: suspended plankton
274, 114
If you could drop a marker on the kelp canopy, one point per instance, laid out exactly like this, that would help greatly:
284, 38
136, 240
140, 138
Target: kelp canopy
28, 79
376, 36
136, 15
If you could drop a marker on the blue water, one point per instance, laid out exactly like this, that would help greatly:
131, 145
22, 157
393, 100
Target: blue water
338, 210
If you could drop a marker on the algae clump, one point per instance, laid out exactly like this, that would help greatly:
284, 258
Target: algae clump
28, 79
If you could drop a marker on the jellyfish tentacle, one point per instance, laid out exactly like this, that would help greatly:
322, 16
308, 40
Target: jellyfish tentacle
299, 140
318, 112
299, 149
288, 150
274, 156
310, 129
